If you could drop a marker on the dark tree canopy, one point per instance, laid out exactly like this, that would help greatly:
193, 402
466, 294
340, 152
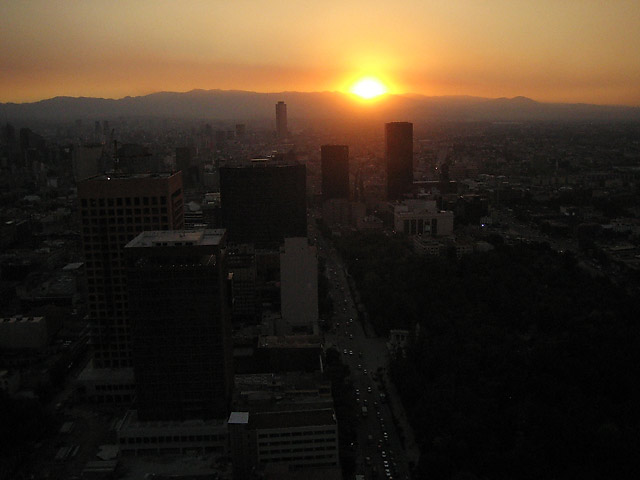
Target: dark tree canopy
523, 366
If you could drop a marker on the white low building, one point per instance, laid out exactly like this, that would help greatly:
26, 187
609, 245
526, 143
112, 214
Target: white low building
421, 217
172, 437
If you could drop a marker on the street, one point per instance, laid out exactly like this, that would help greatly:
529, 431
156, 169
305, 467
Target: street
380, 453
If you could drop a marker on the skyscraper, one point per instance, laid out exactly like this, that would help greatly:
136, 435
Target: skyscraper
114, 208
264, 201
180, 314
399, 158
335, 171
299, 285
281, 119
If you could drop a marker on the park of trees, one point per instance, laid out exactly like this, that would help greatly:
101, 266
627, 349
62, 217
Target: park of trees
520, 364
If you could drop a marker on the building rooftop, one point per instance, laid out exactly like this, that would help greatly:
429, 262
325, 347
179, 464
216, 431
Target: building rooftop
73, 266
177, 238
289, 341
21, 319
129, 176
238, 418
131, 423
305, 418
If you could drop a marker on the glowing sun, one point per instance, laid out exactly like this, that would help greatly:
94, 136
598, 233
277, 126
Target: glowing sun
368, 88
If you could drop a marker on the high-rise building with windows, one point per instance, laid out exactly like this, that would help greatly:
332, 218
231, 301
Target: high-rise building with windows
179, 307
281, 120
335, 171
398, 158
114, 208
263, 201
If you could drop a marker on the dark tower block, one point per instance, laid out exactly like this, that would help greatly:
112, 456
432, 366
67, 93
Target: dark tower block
335, 171
180, 313
399, 158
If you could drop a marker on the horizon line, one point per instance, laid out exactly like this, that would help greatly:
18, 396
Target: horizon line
335, 92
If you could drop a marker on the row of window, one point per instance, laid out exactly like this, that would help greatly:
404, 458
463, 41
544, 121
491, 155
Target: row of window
297, 434
265, 450
100, 224
306, 457
120, 201
113, 388
120, 212
172, 439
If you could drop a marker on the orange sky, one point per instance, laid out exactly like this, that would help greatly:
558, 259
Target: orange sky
549, 50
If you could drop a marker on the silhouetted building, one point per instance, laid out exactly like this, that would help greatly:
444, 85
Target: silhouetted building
281, 119
299, 286
335, 171
192, 170
114, 208
264, 201
88, 161
399, 158
242, 264
180, 313
183, 158
134, 158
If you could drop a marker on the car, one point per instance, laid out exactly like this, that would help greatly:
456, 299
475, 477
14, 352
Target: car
359, 366
357, 392
351, 336
383, 454
369, 388
365, 372
350, 352
344, 351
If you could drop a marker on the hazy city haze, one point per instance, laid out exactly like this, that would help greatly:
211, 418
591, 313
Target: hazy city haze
574, 51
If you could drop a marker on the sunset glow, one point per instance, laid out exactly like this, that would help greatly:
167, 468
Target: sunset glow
576, 51
369, 88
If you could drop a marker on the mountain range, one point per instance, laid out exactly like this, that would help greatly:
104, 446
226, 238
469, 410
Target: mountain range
241, 105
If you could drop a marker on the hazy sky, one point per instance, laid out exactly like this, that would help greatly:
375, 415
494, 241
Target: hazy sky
549, 50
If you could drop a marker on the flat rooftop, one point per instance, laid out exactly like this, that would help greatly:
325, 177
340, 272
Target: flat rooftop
128, 176
289, 341
131, 424
277, 420
177, 238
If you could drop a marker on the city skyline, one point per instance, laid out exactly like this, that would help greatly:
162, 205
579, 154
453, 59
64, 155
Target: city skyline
570, 52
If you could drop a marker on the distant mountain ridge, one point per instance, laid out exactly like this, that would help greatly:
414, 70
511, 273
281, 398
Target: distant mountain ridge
240, 105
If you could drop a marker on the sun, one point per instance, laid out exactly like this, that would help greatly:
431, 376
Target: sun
368, 87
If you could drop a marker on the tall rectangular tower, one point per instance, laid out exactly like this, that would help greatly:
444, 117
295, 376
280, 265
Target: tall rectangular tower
399, 158
180, 314
335, 171
264, 201
299, 285
281, 120
114, 208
